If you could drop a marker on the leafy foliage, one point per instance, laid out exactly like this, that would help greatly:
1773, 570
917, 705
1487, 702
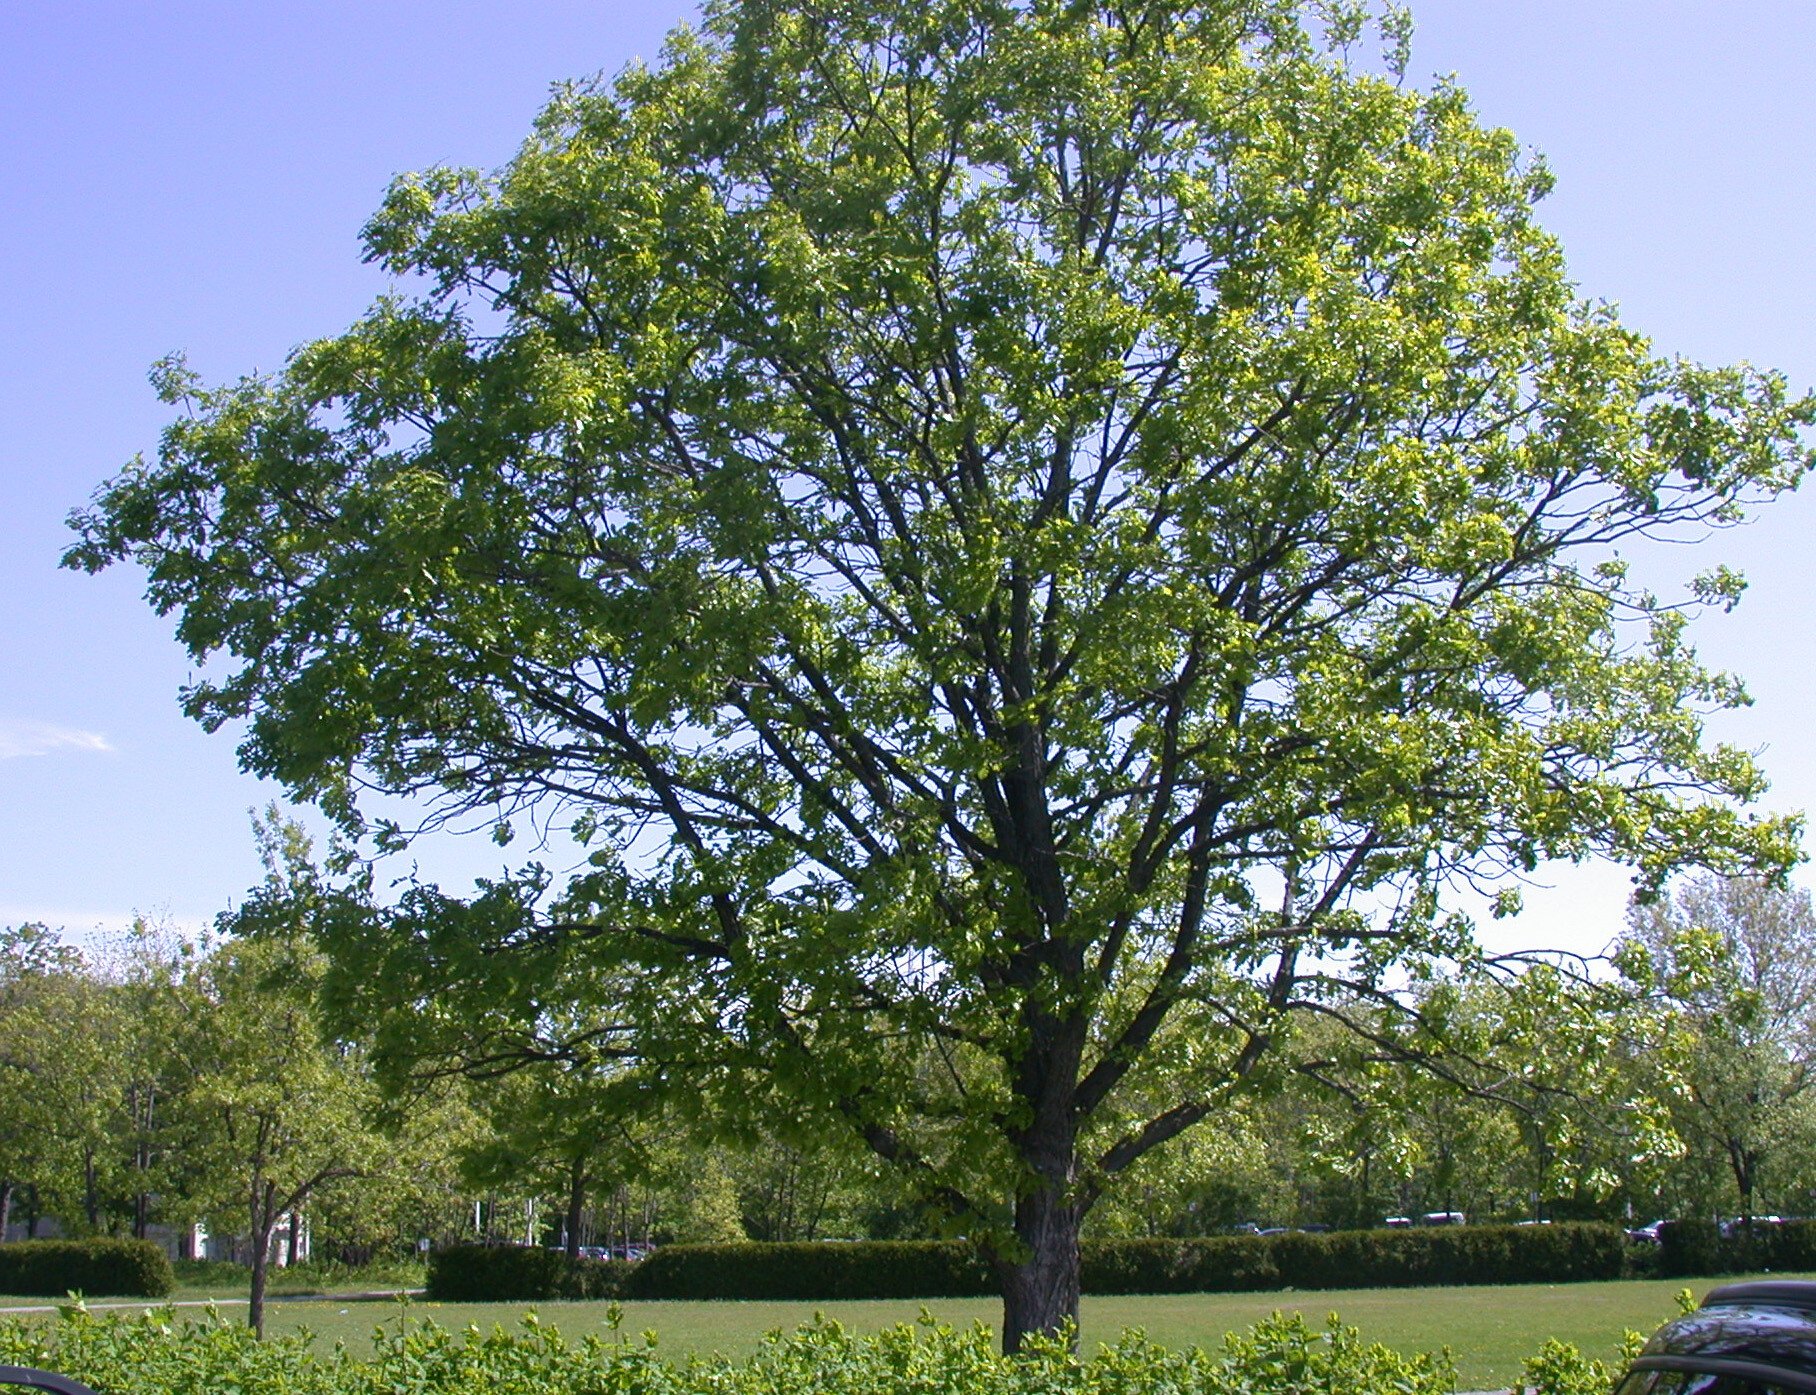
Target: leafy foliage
156, 1354
1562, 1369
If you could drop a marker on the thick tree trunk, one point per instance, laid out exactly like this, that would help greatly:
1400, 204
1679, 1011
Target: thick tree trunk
1744, 1164
576, 1206
1040, 1294
296, 1226
6, 1206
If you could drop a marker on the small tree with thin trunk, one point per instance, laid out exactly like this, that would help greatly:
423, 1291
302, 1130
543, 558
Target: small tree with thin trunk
275, 1114
278, 1109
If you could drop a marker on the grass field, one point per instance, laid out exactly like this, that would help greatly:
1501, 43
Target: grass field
1489, 1330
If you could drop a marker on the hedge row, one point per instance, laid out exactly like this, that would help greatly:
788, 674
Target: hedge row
858, 1269
952, 1269
1487, 1254
96, 1268
1691, 1248
869, 1269
506, 1273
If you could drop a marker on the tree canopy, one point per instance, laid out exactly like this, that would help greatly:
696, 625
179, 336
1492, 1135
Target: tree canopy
1734, 959
1032, 542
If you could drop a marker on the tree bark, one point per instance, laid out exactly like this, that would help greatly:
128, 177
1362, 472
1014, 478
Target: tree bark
6, 1206
1040, 1293
255, 1306
296, 1225
1745, 1166
91, 1192
263, 1217
576, 1206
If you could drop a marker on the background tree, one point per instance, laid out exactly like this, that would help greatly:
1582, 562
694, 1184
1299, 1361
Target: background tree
34, 963
949, 500
558, 1131
277, 1113
419, 1193
1209, 1181
789, 1189
1735, 958
280, 1109
63, 1045
144, 975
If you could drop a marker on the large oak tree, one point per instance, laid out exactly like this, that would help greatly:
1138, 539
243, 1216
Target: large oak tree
1033, 541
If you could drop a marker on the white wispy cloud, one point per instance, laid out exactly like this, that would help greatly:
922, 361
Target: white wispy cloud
25, 738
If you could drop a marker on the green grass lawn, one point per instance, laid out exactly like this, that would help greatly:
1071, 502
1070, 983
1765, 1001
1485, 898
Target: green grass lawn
1489, 1330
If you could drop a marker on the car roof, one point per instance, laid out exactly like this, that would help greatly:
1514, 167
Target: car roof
1765, 1329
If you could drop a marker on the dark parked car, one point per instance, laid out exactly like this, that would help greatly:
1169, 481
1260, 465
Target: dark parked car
1746, 1339
31, 1378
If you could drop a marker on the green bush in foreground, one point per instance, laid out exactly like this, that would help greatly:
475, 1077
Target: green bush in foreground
154, 1354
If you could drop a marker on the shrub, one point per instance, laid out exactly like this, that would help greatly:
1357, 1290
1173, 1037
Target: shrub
1689, 1248
1561, 1369
110, 1268
861, 1269
156, 1354
1787, 1245
519, 1273
1356, 1259
952, 1269
1230, 1264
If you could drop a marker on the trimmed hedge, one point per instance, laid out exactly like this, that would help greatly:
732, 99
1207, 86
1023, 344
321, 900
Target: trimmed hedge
952, 1269
1470, 1254
815, 1270
94, 1268
1687, 1249
504, 1273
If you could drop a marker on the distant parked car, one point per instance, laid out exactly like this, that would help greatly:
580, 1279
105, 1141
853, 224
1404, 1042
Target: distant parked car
1397, 1222
1646, 1234
1443, 1218
1745, 1339
1730, 1224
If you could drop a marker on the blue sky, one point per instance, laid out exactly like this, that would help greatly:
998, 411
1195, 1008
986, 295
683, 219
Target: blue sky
193, 176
